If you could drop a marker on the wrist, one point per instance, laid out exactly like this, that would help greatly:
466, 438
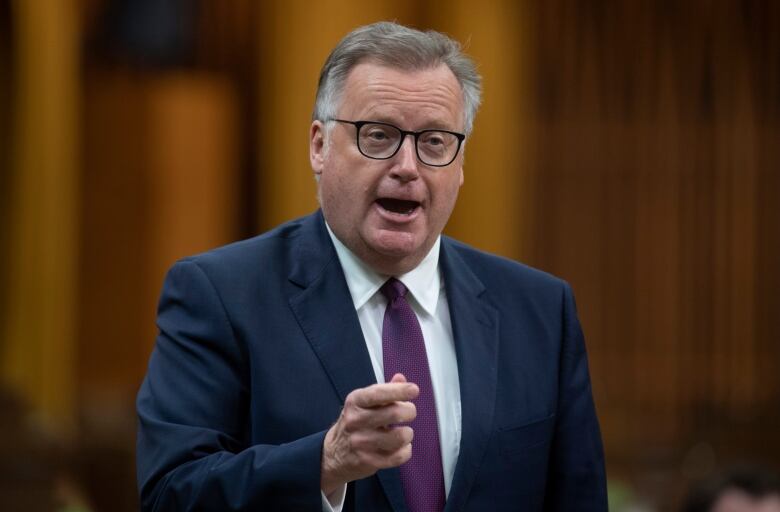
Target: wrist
329, 480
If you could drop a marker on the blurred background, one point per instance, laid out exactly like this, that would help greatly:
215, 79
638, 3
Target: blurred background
630, 147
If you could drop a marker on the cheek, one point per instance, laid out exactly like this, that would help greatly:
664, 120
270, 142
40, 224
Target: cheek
341, 195
448, 193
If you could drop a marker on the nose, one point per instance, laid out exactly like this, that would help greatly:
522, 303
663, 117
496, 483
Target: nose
405, 161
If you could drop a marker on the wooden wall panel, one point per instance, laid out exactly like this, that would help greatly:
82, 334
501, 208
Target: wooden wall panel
39, 328
657, 178
160, 183
495, 203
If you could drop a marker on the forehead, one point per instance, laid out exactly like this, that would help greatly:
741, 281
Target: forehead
429, 96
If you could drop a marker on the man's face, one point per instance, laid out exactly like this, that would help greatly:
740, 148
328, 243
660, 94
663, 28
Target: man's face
389, 212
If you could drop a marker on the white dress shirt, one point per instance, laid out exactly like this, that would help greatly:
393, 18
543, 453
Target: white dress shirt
429, 302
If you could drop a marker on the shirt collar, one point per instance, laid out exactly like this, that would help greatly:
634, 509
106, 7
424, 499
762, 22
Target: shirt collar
423, 281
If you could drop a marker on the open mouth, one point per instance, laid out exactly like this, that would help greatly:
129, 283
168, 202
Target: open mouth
399, 206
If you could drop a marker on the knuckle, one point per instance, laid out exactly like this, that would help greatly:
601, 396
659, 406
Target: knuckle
351, 398
388, 442
406, 434
401, 456
348, 415
352, 418
395, 439
395, 412
404, 412
399, 437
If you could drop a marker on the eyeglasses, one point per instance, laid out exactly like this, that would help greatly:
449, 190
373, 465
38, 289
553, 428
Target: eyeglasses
380, 141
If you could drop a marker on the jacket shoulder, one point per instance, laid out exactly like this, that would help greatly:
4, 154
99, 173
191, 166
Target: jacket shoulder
501, 273
264, 254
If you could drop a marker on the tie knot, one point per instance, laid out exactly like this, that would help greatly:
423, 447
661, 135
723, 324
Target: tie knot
393, 288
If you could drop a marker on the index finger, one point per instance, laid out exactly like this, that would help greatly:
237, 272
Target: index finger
382, 394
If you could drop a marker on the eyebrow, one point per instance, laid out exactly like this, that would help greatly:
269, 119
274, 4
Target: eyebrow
430, 125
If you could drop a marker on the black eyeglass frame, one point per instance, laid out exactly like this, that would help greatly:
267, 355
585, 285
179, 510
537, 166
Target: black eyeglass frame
416, 135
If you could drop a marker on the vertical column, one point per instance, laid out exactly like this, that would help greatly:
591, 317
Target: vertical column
42, 300
295, 37
494, 208
159, 184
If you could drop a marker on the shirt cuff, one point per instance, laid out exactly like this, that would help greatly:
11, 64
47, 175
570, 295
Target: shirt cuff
334, 502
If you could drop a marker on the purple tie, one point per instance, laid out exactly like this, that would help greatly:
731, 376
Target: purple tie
403, 351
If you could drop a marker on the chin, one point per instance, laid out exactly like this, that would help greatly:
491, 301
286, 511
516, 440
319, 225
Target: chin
399, 244
395, 253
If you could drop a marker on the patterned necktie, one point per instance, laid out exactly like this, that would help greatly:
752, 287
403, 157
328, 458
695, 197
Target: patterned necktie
403, 351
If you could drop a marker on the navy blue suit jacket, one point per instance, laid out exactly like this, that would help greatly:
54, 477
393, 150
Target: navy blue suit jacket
259, 344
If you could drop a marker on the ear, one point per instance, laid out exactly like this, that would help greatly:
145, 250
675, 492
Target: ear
461, 176
317, 146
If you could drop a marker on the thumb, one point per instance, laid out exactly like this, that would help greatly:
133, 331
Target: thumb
398, 377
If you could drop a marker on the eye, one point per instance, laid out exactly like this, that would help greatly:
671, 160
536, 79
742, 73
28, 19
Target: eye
433, 139
376, 134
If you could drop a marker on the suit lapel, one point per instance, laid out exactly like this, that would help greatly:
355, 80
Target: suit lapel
475, 332
325, 312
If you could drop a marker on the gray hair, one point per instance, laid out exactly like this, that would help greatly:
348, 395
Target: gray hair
399, 47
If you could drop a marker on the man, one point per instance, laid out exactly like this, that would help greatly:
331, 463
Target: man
356, 359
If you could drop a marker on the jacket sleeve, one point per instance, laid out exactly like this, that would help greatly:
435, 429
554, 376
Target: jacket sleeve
577, 479
193, 451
